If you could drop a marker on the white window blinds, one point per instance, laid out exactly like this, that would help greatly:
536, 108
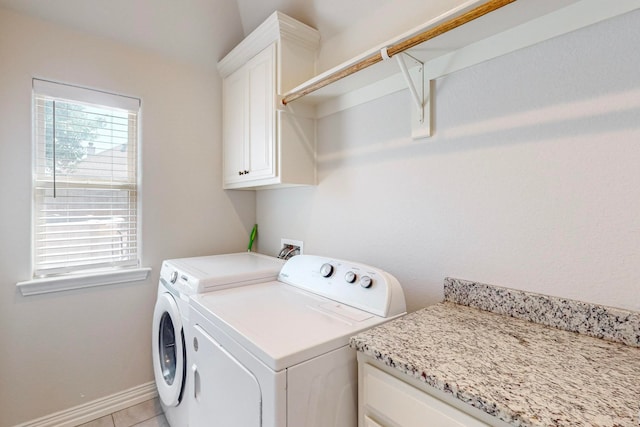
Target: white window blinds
85, 179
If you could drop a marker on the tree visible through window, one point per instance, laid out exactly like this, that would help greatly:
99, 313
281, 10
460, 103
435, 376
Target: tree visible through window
85, 181
75, 128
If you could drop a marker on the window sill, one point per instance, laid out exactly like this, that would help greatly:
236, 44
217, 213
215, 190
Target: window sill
79, 281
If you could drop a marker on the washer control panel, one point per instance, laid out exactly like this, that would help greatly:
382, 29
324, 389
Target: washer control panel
355, 284
176, 281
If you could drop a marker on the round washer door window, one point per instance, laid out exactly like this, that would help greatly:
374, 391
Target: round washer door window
168, 350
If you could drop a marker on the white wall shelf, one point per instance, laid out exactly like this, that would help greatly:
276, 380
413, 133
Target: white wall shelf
512, 27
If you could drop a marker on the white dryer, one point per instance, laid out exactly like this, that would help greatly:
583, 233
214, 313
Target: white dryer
276, 354
179, 279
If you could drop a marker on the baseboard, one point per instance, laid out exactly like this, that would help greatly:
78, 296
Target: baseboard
97, 408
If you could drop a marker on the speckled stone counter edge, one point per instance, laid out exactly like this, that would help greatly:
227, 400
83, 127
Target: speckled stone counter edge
598, 321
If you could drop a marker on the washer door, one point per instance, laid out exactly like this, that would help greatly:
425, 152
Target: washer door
168, 351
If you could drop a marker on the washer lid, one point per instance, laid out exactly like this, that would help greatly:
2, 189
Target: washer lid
281, 324
202, 274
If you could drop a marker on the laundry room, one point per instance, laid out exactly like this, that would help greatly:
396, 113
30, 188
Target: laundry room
517, 169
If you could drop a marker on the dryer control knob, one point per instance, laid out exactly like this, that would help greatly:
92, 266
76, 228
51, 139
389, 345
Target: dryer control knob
366, 282
174, 276
326, 270
350, 277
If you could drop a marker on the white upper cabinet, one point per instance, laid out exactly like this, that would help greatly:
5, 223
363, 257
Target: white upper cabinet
265, 144
248, 127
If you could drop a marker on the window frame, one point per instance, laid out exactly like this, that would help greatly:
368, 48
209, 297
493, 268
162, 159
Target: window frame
83, 277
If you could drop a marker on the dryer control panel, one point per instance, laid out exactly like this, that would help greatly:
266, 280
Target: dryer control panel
357, 285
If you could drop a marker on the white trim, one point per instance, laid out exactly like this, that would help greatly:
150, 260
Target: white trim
384, 87
81, 94
79, 281
276, 26
97, 408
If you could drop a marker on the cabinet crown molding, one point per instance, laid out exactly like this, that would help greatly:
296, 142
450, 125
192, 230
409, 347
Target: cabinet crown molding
276, 27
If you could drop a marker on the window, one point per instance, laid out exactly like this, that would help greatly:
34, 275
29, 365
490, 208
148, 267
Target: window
85, 210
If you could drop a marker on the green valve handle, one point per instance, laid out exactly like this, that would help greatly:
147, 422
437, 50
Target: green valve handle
252, 237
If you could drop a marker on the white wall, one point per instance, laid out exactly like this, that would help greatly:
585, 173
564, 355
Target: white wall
530, 181
64, 349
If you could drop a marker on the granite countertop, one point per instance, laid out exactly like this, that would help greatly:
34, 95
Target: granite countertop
523, 373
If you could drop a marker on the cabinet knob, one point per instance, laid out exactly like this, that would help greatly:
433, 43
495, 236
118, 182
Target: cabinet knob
246, 172
240, 173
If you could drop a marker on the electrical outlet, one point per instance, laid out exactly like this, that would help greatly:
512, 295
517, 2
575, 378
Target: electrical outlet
290, 247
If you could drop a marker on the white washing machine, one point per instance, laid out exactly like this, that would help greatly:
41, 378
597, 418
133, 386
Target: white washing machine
276, 354
179, 279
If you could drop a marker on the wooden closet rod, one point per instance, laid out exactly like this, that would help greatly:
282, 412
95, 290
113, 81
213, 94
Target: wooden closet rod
422, 37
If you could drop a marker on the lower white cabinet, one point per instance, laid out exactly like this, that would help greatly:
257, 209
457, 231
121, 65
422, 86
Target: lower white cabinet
387, 401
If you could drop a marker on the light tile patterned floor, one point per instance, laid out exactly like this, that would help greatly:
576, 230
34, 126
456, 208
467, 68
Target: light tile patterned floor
145, 414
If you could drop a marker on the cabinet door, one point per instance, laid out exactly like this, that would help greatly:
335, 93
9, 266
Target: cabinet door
234, 125
261, 110
399, 404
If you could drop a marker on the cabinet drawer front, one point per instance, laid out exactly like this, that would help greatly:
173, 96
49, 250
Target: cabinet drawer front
405, 405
